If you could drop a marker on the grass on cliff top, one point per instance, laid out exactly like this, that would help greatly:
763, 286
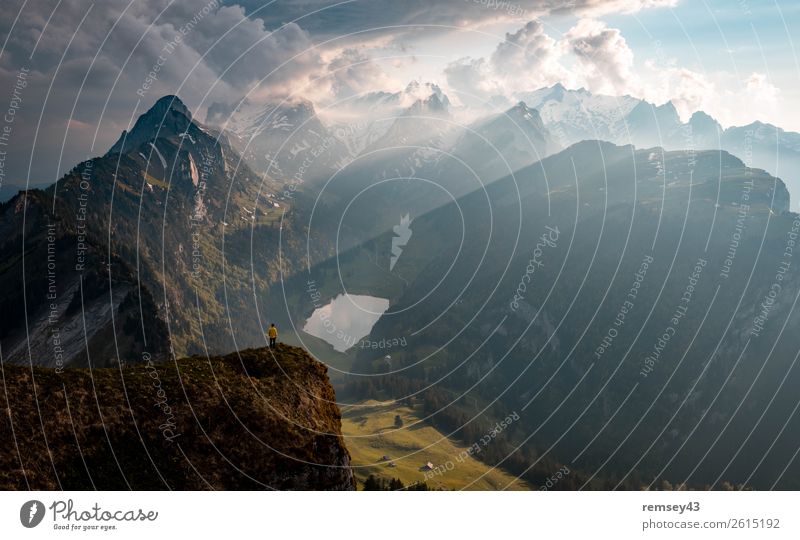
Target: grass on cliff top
242, 421
409, 448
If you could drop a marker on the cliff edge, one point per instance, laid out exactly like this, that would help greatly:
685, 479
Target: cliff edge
257, 419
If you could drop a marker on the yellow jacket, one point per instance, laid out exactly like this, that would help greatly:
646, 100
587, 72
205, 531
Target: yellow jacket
272, 332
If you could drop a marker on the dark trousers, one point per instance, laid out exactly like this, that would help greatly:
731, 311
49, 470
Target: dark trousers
272, 341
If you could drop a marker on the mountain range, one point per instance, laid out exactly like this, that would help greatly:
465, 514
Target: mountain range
536, 316
544, 121
526, 230
576, 115
152, 226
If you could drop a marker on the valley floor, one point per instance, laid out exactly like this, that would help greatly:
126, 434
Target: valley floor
370, 434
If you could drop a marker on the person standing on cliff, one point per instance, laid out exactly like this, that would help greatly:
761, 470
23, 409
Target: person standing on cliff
273, 335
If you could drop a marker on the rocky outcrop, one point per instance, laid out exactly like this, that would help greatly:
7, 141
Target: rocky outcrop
257, 419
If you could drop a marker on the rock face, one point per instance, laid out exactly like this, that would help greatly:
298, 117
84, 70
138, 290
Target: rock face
257, 419
168, 117
62, 309
137, 240
287, 141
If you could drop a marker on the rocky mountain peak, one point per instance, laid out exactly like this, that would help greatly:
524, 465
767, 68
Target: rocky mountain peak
166, 118
169, 103
557, 92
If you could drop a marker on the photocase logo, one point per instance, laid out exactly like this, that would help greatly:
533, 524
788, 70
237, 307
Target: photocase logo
31, 514
402, 236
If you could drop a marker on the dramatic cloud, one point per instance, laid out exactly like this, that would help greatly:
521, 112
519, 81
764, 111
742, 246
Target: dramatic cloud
597, 57
353, 73
243, 51
334, 18
471, 81
590, 54
688, 90
526, 59
596, 8
528, 53
603, 56
105, 62
110, 60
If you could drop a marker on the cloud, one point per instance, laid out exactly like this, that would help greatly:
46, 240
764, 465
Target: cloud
692, 91
604, 57
250, 52
192, 47
353, 73
590, 55
225, 53
471, 81
597, 57
743, 101
730, 100
528, 53
332, 18
761, 90
524, 60
596, 8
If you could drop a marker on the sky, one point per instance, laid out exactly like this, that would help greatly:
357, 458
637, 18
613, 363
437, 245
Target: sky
77, 73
